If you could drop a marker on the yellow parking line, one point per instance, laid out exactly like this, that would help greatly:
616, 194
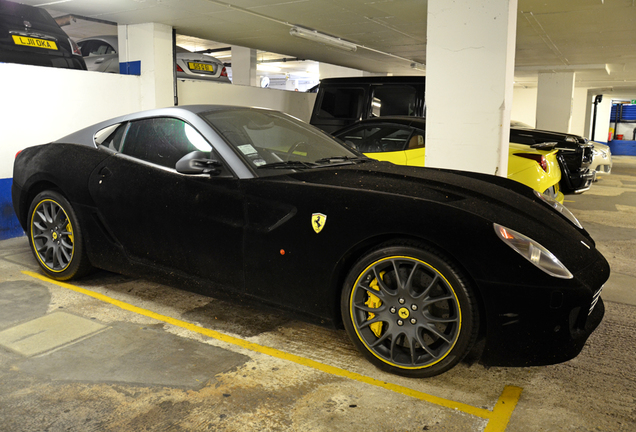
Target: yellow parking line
498, 418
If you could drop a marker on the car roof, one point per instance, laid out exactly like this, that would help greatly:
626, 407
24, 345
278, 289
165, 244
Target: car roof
188, 113
375, 80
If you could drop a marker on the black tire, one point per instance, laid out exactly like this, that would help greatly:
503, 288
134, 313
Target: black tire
421, 323
56, 237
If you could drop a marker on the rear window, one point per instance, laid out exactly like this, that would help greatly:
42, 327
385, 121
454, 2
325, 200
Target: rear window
341, 103
392, 100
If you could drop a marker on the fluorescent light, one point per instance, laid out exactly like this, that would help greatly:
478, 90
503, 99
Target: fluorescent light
564, 68
52, 3
322, 38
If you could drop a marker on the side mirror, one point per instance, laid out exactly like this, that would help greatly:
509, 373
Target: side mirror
198, 162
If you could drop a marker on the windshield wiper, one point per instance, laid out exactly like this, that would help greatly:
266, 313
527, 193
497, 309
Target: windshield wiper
289, 165
342, 159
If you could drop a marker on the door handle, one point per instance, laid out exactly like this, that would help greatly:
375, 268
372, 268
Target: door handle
105, 172
99, 60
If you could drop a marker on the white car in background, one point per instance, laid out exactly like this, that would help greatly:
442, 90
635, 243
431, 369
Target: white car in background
100, 54
601, 159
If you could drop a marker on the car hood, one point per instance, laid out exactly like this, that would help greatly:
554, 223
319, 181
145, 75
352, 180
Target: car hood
431, 184
482, 197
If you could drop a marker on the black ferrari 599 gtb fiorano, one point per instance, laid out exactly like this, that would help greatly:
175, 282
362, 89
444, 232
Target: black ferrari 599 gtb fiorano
418, 264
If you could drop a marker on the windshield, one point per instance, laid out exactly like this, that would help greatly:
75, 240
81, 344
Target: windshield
269, 140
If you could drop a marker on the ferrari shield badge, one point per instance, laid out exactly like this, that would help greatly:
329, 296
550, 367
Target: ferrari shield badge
318, 221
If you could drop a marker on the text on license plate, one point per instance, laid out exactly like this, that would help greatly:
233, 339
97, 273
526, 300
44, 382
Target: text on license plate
201, 67
34, 42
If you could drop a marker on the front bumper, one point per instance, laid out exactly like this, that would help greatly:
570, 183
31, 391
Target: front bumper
577, 181
582, 181
538, 325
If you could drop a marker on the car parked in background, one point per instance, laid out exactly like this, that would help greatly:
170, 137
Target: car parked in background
29, 35
100, 54
574, 154
601, 159
401, 140
343, 101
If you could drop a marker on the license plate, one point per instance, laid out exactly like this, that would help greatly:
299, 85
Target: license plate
201, 67
34, 42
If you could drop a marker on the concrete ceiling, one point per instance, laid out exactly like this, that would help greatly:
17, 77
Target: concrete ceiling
578, 35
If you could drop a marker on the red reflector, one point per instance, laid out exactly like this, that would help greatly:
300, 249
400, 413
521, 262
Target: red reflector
179, 69
224, 72
16, 155
538, 158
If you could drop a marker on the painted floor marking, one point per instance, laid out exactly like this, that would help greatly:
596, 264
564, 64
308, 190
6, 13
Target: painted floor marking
498, 418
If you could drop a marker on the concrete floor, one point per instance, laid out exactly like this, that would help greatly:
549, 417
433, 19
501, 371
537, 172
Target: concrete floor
112, 353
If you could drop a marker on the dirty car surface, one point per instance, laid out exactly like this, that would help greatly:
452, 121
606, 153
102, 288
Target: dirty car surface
417, 264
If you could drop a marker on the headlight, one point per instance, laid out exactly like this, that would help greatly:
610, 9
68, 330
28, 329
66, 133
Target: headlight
560, 208
533, 252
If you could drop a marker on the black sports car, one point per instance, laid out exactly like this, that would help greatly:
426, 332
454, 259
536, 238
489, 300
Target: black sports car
418, 264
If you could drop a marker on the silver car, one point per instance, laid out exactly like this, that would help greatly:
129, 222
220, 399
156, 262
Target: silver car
601, 159
100, 54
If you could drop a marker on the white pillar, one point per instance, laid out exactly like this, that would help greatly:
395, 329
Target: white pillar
554, 101
244, 66
147, 51
470, 53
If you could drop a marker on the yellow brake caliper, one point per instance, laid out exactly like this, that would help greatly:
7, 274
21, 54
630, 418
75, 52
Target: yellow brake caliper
69, 228
374, 302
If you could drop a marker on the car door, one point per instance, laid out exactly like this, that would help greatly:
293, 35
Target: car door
185, 223
99, 56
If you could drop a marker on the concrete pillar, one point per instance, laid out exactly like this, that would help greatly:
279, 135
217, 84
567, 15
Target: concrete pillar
470, 55
554, 101
146, 50
244, 66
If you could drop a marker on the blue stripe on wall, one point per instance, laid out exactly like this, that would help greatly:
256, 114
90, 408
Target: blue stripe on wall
622, 147
130, 68
9, 225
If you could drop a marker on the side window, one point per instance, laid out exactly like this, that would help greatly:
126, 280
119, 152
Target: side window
111, 136
393, 100
341, 103
162, 141
378, 139
96, 48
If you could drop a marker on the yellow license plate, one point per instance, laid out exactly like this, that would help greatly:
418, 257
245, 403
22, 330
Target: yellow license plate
34, 42
201, 67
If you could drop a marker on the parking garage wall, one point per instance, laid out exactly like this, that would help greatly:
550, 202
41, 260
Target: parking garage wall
41, 104
298, 104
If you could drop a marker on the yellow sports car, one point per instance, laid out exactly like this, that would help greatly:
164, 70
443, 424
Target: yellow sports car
401, 140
